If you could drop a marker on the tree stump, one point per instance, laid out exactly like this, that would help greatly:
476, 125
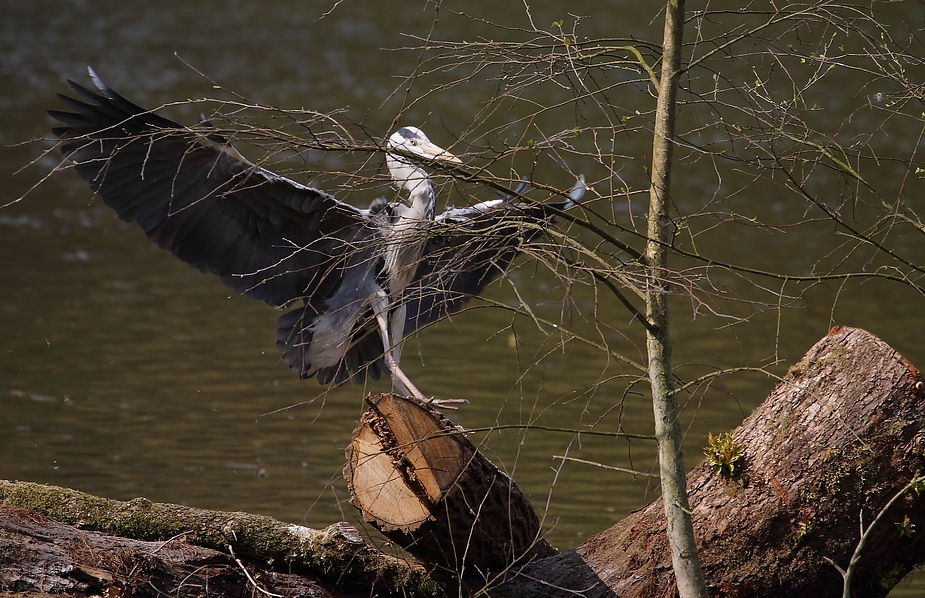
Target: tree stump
419, 479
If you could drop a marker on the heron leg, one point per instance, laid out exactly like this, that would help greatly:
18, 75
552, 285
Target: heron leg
380, 304
398, 331
398, 335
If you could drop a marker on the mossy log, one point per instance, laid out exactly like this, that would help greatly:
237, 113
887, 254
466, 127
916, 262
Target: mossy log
334, 560
39, 556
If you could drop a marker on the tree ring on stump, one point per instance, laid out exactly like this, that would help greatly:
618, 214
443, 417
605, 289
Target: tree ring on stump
402, 460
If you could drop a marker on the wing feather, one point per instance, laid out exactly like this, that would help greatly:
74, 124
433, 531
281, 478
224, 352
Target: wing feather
467, 250
264, 235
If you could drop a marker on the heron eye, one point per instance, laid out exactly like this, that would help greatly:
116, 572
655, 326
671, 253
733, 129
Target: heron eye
413, 141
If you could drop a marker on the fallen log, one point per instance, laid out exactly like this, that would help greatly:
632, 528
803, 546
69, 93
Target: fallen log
841, 434
83, 540
39, 555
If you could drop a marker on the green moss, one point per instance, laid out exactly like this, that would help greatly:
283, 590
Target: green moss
328, 552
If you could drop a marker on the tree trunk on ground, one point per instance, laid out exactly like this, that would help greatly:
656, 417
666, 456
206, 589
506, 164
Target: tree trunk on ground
175, 549
44, 555
841, 434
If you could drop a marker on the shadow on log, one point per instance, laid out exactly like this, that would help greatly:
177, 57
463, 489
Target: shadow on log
838, 438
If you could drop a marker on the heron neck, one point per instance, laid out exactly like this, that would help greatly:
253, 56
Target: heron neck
415, 181
423, 201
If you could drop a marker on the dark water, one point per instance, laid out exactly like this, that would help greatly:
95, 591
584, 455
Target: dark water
125, 373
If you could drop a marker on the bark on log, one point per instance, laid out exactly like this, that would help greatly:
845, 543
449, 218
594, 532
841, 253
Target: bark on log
54, 547
418, 478
38, 555
838, 437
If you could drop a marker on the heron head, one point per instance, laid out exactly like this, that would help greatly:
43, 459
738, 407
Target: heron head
413, 141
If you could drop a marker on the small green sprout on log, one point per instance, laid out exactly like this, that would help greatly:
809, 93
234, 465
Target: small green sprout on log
806, 525
918, 485
906, 527
724, 454
889, 579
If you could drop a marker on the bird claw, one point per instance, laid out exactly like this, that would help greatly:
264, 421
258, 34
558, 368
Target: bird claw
446, 404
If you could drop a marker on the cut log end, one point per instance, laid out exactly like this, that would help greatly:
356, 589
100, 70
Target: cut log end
417, 477
402, 460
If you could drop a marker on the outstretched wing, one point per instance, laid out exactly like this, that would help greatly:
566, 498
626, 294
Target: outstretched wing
467, 249
266, 236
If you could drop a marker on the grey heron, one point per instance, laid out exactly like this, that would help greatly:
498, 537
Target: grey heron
354, 281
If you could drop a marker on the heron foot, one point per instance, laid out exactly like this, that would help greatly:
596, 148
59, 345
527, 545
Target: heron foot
402, 384
446, 404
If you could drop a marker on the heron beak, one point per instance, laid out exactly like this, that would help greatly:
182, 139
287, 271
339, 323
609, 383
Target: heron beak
436, 153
